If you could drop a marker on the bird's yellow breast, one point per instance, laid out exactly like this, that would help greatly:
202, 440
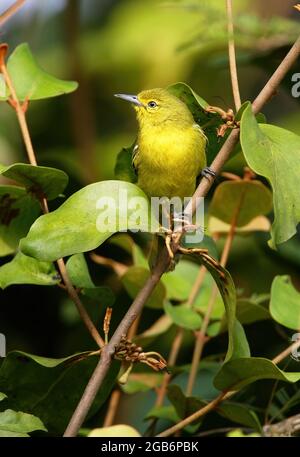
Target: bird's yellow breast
169, 159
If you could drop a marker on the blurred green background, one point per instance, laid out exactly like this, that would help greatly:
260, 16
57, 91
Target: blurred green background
114, 46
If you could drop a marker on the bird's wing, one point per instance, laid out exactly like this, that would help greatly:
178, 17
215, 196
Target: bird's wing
197, 127
134, 158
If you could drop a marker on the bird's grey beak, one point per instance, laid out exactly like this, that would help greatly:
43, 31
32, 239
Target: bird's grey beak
130, 98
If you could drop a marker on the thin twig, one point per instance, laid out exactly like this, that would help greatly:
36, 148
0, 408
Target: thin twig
20, 110
102, 368
118, 267
223, 396
11, 11
112, 408
176, 344
232, 57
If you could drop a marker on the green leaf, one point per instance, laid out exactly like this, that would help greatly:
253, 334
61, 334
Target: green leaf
51, 388
124, 170
30, 81
274, 153
78, 271
41, 181
160, 327
285, 302
138, 257
238, 373
2, 396
185, 406
142, 382
237, 341
163, 412
208, 121
18, 210
26, 270
241, 414
248, 311
179, 282
245, 200
235, 412
134, 279
87, 219
80, 277
183, 316
19, 423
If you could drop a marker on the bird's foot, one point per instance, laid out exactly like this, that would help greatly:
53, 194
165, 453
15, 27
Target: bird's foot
208, 173
168, 234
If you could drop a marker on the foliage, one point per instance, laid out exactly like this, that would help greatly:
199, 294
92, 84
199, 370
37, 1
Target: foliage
234, 308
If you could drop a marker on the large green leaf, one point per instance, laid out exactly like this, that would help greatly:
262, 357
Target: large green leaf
51, 388
275, 153
135, 278
13, 423
240, 200
30, 81
238, 373
285, 303
18, 210
87, 219
208, 121
41, 181
27, 270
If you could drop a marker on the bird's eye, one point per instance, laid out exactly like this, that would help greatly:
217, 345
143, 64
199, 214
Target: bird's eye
152, 104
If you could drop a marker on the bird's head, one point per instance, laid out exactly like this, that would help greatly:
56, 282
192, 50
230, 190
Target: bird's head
157, 106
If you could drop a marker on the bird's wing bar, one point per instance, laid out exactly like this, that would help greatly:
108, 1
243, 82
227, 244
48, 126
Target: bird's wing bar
134, 158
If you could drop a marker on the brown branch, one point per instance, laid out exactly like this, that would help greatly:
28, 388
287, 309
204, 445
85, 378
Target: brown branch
232, 57
11, 11
117, 393
102, 368
286, 427
108, 351
223, 396
20, 110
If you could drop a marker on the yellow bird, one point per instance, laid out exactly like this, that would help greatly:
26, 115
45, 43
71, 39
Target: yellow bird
170, 151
